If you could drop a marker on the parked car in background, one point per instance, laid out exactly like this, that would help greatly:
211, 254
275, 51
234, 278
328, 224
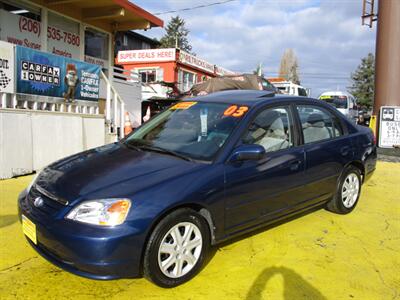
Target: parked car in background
153, 105
289, 88
201, 172
344, 102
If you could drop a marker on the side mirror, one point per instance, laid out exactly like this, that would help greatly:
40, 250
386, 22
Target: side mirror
247, 152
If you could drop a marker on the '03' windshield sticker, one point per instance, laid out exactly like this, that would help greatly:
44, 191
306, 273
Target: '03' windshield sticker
236, 111
183, 105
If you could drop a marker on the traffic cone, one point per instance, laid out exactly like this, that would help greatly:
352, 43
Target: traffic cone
127, 124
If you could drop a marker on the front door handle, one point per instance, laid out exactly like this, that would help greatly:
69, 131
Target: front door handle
294, 165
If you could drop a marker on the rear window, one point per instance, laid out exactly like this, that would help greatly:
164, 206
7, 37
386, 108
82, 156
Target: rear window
336, 101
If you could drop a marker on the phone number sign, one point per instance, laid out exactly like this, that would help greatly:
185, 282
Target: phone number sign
27, 32
389, 127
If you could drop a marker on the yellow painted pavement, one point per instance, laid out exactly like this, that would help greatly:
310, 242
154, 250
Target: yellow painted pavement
317, 256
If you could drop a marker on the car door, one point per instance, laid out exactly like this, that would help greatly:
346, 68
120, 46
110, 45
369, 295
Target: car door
257, 191
327, 149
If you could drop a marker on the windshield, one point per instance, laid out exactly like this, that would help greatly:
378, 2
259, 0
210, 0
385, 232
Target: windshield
336, 101
196, 130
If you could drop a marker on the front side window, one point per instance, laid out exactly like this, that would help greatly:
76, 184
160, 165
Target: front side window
196, 130
318, 124
302, 92
272, 129
335, 101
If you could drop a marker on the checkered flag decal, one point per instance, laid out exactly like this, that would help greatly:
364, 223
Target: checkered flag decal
4, 80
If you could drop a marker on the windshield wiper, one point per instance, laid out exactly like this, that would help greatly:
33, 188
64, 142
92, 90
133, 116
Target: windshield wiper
165, 151
131, 146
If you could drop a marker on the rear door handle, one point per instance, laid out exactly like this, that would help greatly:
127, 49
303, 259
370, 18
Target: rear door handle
345, 150
294, 165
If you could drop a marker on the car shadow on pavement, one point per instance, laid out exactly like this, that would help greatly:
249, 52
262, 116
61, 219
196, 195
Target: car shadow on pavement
6, 220
295, 286
214, 249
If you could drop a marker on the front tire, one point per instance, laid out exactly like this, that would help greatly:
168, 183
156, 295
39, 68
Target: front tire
177, 248
347, 193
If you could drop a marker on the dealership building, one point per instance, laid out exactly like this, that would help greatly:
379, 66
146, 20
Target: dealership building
56, 50
169, 65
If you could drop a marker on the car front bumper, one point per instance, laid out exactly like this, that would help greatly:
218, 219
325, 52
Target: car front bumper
85, 250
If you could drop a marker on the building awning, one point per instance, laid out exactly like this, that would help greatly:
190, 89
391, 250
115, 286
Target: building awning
109, 15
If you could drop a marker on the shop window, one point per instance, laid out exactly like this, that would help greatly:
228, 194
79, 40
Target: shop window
63, 36
186, 80
148, 75
21, 9
96, 44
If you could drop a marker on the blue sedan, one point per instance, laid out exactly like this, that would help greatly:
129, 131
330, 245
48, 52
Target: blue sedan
203, 171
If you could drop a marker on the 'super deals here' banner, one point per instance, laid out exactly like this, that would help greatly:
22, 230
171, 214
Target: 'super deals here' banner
45, 74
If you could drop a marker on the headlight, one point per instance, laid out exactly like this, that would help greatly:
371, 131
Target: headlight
104, 212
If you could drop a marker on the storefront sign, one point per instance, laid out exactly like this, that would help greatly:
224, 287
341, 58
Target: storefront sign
97, 61
191, 60
63, 43
148, 55
19, 30
389, 129
6, 67
45, 74
222, 71
26, 32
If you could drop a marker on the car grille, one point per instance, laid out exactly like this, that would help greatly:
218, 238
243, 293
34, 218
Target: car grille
50, 205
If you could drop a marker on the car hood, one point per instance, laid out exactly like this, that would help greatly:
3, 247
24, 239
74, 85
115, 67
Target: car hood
110, 171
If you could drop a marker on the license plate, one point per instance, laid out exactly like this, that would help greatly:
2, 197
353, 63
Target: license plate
29, 229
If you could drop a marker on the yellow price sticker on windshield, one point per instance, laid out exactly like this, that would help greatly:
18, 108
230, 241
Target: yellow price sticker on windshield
325, 97
183, 105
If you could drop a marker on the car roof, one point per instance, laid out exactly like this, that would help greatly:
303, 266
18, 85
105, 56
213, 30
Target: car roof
245, 97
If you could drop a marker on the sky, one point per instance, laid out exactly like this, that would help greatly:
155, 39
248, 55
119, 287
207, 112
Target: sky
326, 36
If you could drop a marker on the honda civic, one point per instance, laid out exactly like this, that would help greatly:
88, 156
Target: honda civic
199, 173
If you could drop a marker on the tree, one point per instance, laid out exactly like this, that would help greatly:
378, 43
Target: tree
363, 81
176, 35
289, 66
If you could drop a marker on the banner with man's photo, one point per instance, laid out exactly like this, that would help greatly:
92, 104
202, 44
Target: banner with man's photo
46, 74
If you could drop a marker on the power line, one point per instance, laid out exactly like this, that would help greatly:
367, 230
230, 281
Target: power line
194, 7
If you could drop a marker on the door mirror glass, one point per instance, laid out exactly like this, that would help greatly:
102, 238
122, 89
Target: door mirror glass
247, 152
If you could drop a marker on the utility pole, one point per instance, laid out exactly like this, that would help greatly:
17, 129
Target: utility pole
387, 54
387, 63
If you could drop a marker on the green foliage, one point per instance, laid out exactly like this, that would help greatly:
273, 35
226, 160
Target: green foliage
363, 81
176, 35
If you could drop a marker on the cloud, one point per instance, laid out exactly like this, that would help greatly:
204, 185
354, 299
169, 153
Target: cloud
326, 36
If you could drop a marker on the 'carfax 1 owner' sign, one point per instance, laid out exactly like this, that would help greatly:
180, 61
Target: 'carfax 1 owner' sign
46, 74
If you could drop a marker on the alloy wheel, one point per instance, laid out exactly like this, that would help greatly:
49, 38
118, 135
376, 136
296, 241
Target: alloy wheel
180, 249
350, 190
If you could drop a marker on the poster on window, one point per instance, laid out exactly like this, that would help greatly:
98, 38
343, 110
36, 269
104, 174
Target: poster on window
6, 68
46, 74
389, 129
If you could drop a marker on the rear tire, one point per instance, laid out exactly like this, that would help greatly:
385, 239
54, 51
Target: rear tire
347, 192
177, 248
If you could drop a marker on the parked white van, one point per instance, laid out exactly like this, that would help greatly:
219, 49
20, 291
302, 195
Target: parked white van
343, 101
